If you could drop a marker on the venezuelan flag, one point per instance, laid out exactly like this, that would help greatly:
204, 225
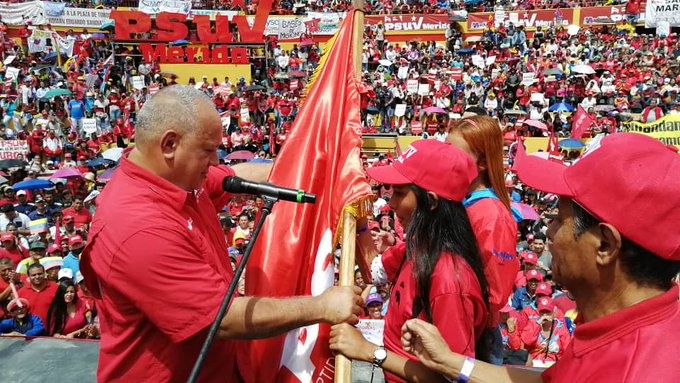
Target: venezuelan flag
38, 226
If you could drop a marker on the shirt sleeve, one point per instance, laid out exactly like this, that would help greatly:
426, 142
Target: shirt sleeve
38, 327
378, 273
182, 291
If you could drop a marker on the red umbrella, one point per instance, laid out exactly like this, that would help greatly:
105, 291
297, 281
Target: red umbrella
536, 124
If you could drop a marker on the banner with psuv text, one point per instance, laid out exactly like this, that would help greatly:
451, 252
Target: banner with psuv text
13, 149
660, 12
665, 129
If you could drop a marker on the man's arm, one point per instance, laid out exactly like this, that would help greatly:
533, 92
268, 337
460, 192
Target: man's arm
256, 317
424, 341
252, 172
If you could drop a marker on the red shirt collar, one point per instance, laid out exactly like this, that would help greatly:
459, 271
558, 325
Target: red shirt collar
603, 331
165, 190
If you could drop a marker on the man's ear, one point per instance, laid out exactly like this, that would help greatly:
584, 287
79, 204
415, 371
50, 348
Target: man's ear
609, 243
169, 143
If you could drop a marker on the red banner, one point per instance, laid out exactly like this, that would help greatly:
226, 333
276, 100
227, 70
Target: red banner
407, 23
602, 15
545, 18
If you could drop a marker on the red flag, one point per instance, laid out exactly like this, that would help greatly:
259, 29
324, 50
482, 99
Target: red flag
582, 122
553, 146
312, 25
294, 254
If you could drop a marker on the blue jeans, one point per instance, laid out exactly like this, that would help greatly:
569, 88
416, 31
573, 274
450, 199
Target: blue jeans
496, 349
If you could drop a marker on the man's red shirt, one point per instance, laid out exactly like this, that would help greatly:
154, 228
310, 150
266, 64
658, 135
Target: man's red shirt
39, 302
631, 345
157, 266
82, 217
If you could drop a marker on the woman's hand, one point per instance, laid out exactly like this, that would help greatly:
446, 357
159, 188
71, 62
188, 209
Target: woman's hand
348, 341
423, 340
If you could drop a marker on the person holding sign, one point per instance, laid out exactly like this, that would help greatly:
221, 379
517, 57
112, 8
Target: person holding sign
621, 271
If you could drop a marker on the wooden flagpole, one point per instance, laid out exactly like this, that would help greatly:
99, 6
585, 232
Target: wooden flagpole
343, 366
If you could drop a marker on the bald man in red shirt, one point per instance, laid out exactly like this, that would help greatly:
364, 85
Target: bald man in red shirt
157, 262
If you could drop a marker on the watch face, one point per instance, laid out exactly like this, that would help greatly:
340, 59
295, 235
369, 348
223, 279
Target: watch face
380, 354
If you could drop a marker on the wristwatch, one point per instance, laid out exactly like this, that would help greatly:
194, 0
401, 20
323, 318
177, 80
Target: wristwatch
379, 356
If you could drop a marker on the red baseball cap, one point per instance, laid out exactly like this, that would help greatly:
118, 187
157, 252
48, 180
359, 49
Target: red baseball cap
530, 258
432, 165
534, 275
75, 240
545, 304
623, 169
6, 237
544, 289
54, 247
68, 218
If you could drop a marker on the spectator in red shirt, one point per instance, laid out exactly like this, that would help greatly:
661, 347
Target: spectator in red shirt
11, 249
170, 296
40, 292
80, 216
546, 336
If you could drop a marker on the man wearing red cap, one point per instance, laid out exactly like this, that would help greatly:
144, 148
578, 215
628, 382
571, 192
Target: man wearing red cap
10, 249
545, 336
530, 260
524, 296
615, 247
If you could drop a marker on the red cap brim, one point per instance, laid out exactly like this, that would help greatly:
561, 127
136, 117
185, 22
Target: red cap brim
543, 175
387, 175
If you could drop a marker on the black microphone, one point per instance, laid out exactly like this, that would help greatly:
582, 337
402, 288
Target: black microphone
237, 185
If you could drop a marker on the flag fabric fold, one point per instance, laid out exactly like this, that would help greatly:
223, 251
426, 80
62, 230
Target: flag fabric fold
294, 253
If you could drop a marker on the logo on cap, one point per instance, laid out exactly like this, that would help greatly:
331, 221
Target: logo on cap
410, 151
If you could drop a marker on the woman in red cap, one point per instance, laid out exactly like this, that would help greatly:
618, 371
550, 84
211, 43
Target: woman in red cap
437, 272
491, 216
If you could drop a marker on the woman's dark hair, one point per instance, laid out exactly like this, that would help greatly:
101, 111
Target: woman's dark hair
644, 267
434, 231
56, 316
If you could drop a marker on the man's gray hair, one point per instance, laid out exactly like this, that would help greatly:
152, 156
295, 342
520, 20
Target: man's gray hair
173, 107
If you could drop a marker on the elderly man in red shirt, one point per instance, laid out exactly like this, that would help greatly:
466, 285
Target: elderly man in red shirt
157, 263
619, 264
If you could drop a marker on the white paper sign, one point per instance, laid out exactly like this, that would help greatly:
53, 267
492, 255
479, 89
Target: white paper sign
490, 60
537, 97
400, 110
138, 82
245, 115
403, 72
11, 73
372, 330
412, 86
528, 78
90, 125
478, 61
423, 89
